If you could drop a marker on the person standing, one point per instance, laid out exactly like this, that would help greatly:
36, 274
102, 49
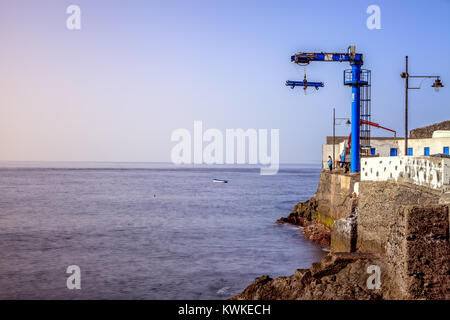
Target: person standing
330, 163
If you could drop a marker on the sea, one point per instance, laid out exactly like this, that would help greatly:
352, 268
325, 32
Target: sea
147, 230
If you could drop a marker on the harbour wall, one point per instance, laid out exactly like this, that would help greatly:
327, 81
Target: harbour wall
335, 196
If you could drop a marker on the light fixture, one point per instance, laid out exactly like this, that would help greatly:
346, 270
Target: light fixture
437, 85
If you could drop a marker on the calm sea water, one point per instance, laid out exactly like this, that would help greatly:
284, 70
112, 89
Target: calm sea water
147, 231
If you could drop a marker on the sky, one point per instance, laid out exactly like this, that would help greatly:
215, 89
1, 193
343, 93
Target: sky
138, 70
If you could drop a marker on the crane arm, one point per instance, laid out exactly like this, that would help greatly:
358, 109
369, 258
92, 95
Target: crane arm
373, 124
351, 56
307, 57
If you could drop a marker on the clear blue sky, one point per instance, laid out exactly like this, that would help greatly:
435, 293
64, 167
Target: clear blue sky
115, 90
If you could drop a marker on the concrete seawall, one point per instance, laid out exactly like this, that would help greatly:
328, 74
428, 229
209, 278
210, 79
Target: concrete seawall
333, 200
379, 204
417, 252
335, 196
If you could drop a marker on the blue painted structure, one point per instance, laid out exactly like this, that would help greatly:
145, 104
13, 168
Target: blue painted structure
446, 151
304, 84
306, 58
410, 151
356, 117
393, 152
356, 61
426, 151
373, 151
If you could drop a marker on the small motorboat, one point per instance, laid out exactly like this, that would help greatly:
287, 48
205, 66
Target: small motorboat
220, 181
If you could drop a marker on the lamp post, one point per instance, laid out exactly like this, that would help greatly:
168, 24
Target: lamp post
334, 132
405, 75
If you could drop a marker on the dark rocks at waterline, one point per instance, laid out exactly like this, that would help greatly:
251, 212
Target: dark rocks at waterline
318, 233
339, 276
305, 215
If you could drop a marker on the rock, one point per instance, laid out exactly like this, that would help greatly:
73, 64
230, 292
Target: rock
262, 280
305, 214
318, 233
445, 198
337, 276
299, 273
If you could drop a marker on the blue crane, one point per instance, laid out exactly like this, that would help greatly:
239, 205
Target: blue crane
354, 78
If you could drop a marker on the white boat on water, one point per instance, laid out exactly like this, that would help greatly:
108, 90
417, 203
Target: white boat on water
220, 181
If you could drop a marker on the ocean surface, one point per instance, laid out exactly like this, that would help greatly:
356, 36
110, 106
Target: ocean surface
147, 231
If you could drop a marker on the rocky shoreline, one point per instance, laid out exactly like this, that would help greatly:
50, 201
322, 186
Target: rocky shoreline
336, 277
396, 235
304, 215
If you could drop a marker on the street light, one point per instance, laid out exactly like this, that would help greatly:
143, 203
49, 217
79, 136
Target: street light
437, 85
405, 75
334, 131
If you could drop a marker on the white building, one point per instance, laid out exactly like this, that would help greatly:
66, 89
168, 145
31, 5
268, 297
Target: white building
424, 145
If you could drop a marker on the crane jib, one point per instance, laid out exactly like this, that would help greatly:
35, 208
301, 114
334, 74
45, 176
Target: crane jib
304, 57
